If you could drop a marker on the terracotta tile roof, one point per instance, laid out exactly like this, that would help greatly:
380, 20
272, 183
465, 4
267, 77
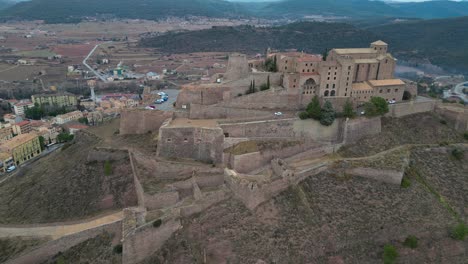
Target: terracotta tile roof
17, 141
387, 82
362, 86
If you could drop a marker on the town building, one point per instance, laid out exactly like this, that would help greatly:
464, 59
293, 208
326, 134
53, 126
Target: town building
22, 127
20, 108
68, 117
356, 73
9, 118
59, 100
22, 148
6, 133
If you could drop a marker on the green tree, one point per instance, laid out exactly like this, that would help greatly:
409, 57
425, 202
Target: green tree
303, 115
328, 114
264, 87
313, 109
107, 168
42, 142
376, 106
348, 110
83, 120
64, 137
325, 54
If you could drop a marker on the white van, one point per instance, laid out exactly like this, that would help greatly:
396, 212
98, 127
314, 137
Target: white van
11, 168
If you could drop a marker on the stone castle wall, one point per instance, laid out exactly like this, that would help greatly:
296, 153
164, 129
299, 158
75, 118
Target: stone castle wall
358, 128
219, 112
285, 128
142, 121
456, 116
412, 107
146, 240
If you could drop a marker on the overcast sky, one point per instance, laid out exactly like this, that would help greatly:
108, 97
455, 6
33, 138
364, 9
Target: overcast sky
312, 0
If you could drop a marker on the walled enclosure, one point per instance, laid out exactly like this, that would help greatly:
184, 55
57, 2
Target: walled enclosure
457, 116
191, 141
139, 121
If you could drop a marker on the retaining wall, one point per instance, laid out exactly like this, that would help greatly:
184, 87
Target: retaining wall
146, 240
387, 176
138, 121
356, 129
412, 107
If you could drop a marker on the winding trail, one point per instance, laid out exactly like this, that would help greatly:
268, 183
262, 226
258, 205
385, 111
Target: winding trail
58, 231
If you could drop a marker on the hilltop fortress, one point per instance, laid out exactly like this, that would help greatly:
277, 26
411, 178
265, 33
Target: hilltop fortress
354, 74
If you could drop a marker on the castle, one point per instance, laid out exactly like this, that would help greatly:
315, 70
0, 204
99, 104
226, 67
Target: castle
357, 73
354, 74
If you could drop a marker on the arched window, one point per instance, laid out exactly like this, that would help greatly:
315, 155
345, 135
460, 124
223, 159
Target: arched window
326, 93
332, 93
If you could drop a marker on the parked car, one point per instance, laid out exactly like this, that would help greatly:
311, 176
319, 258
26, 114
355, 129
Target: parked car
165, 98
159, 101
278, 114
150, 107
11, 168
392, 102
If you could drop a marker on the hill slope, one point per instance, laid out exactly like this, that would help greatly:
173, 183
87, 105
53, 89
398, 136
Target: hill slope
433, 9
57, 11
441, 41
307, 36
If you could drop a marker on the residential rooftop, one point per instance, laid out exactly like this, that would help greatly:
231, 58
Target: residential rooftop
361, 86
355, 51
387, 82
11, 144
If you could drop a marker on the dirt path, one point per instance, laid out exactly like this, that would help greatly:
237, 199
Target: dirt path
58, 231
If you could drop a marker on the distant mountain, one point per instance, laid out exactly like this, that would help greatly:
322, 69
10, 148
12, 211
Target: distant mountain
433, 9
365, 8
347, 8
305, 36
441, 41
58, 11
5, 3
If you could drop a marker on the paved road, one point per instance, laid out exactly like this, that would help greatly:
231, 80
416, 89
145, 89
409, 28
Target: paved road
457, 91
57, 231
89, 67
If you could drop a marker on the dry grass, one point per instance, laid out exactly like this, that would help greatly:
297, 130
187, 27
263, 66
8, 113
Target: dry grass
14, 246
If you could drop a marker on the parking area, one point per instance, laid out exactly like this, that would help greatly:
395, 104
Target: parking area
168, 105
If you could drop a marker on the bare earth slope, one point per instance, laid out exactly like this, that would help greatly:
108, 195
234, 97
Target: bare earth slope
65, 186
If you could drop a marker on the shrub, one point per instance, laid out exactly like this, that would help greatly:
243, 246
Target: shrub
303, 115
465, 135
376, 106
390, 254
117, 249
459, 232
313, 109
411, 242
328, 114
239, 94
348, 110
157, 223
458, 153
405, 183
443, 122
264, 87
107, 168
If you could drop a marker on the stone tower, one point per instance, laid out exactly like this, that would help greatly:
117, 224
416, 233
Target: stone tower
238, 67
